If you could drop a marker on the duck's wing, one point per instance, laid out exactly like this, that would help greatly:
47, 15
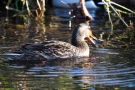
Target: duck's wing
47, 45
37, 46
43, 51
52, 49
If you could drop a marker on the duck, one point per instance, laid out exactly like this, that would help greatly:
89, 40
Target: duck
54, 49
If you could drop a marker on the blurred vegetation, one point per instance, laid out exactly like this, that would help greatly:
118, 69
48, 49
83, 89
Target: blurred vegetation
116, 13
28, 7
118, 17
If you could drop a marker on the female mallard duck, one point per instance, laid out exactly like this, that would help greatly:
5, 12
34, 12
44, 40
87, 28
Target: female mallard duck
57, 49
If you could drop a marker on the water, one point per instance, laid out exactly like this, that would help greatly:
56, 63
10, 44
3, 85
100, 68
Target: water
108, 68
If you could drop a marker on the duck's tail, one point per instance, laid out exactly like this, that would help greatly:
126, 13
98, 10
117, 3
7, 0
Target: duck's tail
10, 55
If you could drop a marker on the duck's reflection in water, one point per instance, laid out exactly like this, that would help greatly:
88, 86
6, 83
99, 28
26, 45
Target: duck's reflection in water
79, 62
84, 62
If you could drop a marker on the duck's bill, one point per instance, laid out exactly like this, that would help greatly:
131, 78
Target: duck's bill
97, 43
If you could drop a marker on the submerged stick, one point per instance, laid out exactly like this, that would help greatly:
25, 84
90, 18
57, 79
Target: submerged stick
123, 7
38, 4
108, 4
108, 11
118, 15
27, 5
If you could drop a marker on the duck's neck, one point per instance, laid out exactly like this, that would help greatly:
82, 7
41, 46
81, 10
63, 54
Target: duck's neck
82, 44
76, 41
79, 44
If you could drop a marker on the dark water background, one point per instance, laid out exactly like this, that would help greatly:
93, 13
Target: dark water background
108, 68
